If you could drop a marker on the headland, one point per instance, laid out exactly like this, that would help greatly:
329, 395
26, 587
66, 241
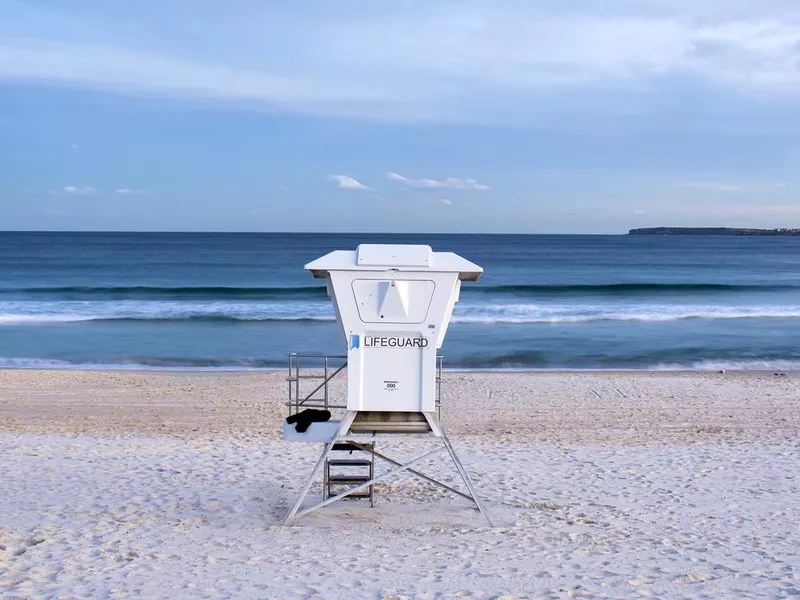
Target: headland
731, 231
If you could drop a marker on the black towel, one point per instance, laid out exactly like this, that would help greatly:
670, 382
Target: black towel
305, 418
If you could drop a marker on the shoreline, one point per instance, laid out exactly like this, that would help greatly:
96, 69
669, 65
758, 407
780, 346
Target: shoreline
511, 370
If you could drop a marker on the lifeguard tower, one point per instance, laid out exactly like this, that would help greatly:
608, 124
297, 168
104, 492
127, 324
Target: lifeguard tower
393, 305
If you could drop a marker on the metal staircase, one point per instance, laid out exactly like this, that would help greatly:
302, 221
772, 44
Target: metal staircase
349, 470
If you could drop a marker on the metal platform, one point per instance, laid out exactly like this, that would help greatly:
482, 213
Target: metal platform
376, 423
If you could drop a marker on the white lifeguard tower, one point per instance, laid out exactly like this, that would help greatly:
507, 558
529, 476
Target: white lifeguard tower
393, 304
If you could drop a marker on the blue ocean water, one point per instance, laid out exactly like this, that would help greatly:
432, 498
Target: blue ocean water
214, 300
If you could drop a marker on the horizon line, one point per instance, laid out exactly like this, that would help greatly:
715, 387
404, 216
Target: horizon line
4, 231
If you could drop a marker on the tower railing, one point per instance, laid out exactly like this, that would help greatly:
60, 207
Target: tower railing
314, 371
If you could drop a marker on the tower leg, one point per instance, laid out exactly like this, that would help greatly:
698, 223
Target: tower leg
381, 477
344, 427
464, 475
415, 472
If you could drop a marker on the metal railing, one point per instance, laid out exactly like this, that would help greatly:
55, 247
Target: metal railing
308, 367
439, 362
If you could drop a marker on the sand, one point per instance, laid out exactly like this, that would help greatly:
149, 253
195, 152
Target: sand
142, 484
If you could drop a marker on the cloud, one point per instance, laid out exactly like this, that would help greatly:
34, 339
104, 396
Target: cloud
712, 186
129, 191
731, 186
779, 210
124, 71
718, 210
432, 184
446, 201
639, 211
74, 146
346, 182
87, 190
463, 61
84, 190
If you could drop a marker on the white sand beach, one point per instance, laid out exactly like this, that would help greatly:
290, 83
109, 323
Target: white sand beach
620, 485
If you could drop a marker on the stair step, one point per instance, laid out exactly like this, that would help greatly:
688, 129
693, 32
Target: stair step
335, 479
349, 462
347, 446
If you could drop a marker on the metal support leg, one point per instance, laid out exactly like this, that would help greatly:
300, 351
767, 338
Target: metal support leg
402, 467
417, 473
344, 427
462, 471
372, 476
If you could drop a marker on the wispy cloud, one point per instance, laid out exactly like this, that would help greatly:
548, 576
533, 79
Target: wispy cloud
345, 182
87, 190
72, 190
465, 61
711, 186
433, 184
731, 186
74, 146
129, 192
446, 202
761, 210
728, 209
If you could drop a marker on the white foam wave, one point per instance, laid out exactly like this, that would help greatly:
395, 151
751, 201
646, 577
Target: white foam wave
21, 313
41, 319
34, 363
581, 314
768, 366
11, 319
732, 365
44, 363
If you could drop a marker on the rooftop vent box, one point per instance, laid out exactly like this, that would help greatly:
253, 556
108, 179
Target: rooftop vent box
384, 255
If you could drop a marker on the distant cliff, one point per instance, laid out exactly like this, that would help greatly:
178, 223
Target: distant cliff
712, 231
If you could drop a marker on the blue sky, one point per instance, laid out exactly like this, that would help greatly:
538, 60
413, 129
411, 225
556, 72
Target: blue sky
345, 115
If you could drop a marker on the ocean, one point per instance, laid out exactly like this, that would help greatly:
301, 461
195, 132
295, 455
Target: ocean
243, 301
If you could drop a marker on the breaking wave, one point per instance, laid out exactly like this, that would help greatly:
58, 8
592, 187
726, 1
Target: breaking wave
625, 288
22, 313
146, 363
141, 292
516, 361
530, 314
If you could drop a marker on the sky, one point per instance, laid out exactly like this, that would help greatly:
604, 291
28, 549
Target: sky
508, 116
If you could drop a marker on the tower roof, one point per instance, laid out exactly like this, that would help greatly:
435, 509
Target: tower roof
400, 257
